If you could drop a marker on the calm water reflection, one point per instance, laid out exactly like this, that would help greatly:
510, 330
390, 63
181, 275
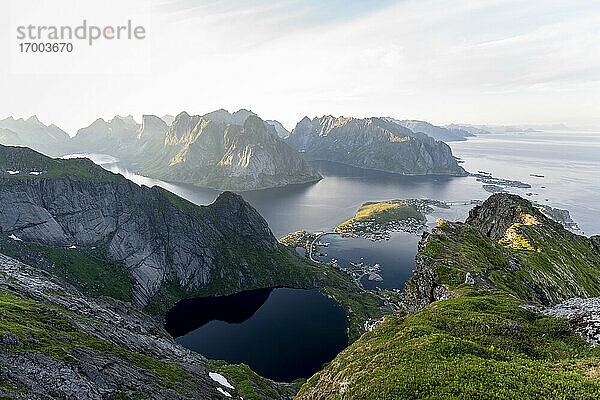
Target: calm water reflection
283, 334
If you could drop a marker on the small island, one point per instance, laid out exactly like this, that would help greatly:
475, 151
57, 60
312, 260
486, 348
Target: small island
376, 220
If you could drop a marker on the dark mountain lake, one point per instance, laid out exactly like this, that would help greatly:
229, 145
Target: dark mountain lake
283, 334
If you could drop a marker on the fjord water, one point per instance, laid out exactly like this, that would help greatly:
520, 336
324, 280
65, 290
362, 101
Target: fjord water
569, 161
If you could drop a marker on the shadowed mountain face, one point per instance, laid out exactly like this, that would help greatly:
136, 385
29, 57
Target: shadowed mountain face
33, 134
236, 308
373, 143
279, 128
102, 232
114, 137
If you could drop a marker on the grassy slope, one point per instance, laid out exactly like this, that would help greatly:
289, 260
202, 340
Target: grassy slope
480, 345
55, 336
87, 270
565, 266
25, 160
52, 330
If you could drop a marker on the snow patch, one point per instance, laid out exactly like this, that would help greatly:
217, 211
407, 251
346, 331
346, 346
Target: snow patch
73, 247
220, 379
35, 173
223, 392
13, 237
12, 172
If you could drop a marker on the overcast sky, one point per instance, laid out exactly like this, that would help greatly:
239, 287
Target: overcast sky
485, 61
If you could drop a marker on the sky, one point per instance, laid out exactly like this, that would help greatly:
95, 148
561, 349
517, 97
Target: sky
482, 62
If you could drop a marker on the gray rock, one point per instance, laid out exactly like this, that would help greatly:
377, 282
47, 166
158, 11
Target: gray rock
131, 348
158, 237
373, 143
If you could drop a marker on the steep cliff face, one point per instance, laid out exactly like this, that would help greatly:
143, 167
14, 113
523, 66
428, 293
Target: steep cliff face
373, 143
221, 150
508, 244
279, 128
168, 248
56, 343
223, 155
115, 137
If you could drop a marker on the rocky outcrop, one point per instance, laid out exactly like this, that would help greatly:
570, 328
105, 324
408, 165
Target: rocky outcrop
505, 244
498, 213
279, 128
59, 344
423, 288
161, 240
373, 143
585, 314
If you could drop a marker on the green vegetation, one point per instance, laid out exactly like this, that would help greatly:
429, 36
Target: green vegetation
298, 239
47, 328
281, 268
250, 385
387, 211
380, 213
480, 345
87, 270
25, 161
454, 249
359, 307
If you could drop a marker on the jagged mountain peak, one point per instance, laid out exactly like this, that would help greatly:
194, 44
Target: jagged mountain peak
225, 117
168, 118
35, 120
501, 211
372, 143
151, 126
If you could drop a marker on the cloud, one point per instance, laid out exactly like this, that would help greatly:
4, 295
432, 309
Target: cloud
503, 61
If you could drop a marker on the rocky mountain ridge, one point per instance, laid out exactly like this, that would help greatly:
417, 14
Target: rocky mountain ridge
33, 133
167, 247
505, 244
443, 133
373, 143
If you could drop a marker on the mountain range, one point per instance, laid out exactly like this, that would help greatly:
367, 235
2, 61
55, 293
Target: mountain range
450, 133
239, 151
33, 134
373, 143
